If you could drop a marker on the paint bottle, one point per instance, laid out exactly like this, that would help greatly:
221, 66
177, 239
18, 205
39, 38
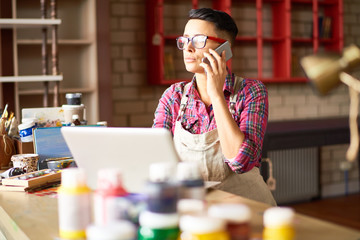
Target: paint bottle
157, 226
117, 230
74, 204
202, 228
278, 224
161, 190
191, 188
109, 188
190, 180
237, 217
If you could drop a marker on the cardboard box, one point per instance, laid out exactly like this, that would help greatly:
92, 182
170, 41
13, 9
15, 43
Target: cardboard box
24, 147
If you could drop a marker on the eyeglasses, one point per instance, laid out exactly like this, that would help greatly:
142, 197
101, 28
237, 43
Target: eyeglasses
198, 41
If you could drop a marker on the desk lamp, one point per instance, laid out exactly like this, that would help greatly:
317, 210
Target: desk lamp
326, 72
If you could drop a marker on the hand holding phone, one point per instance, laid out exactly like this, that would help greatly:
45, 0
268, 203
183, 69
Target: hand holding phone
225, 46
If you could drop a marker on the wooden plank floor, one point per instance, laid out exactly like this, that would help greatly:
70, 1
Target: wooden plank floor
343, 210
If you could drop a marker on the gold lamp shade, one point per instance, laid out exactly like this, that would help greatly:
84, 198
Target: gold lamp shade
323, 71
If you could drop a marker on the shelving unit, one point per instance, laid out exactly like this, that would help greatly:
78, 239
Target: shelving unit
43, 23
280, 33
77, 53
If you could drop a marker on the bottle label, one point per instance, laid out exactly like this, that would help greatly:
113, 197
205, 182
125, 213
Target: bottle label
206, 236
74, 213
146, 233
279, 233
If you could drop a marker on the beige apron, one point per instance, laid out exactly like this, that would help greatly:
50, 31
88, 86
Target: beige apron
206, 150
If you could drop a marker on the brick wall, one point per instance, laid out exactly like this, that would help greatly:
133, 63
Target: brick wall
135, 101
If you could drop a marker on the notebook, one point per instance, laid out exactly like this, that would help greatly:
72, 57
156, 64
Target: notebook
132, 150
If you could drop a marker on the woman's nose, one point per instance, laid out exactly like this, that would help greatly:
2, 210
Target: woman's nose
189, 47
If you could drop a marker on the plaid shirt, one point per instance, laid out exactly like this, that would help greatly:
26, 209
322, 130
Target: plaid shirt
251, 116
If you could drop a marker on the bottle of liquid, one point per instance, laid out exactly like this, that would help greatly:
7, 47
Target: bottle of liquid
160, 220
191, 188
157, 226
237, 216
161, 191
278, 224
109, 187
202, 227
74, 204
191, 182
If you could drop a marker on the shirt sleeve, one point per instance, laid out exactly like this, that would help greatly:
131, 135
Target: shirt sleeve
253, 122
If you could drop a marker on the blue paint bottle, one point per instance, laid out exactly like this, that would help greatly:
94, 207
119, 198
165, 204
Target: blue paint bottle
161, 190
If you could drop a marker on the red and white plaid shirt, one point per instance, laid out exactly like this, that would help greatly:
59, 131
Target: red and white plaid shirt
251, 116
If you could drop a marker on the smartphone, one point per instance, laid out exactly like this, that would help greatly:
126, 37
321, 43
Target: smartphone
225, 46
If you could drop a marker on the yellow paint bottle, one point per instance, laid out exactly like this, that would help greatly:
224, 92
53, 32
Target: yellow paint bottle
197, 227
74, 204
278, 224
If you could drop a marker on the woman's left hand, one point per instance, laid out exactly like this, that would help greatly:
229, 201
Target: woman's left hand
215, 73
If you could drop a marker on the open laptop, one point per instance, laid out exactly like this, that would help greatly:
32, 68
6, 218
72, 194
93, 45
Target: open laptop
130, 149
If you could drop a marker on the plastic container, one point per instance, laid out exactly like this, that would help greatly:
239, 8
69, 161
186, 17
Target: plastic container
70, 110
278, 224
26, 131
25, 162
202, 228
109, 187
73, 98
119, 230
161, 190
190, 180
156, 226
60, 163
74, 204
237, 217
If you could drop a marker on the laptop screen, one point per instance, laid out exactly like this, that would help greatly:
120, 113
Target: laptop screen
132, 150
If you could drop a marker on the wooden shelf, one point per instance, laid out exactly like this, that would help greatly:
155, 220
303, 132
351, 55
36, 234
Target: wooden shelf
62, 91
60, 42
34, 78
27, 22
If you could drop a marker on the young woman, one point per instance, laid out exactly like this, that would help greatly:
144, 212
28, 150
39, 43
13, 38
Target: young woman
218, 119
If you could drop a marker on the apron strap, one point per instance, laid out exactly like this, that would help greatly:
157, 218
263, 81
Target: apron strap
184, 100
234, 95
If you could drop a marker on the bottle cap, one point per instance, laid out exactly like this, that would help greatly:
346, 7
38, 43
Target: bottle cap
201, 224
234, 213
118, 230
158, 220
110, 180
187, 206
188, 171
73, 177
277, 216
160, 171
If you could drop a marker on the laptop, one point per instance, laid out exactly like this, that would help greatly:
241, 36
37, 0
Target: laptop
132, 150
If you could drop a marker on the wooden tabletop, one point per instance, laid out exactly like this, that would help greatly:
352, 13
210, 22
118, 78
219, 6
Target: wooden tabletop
27, 216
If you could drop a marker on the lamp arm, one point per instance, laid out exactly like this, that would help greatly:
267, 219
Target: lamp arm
350, 81
354, 89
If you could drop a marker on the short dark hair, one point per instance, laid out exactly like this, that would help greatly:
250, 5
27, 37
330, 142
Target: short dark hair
222, 21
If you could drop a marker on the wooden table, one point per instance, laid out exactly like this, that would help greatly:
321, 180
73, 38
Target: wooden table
27, 216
